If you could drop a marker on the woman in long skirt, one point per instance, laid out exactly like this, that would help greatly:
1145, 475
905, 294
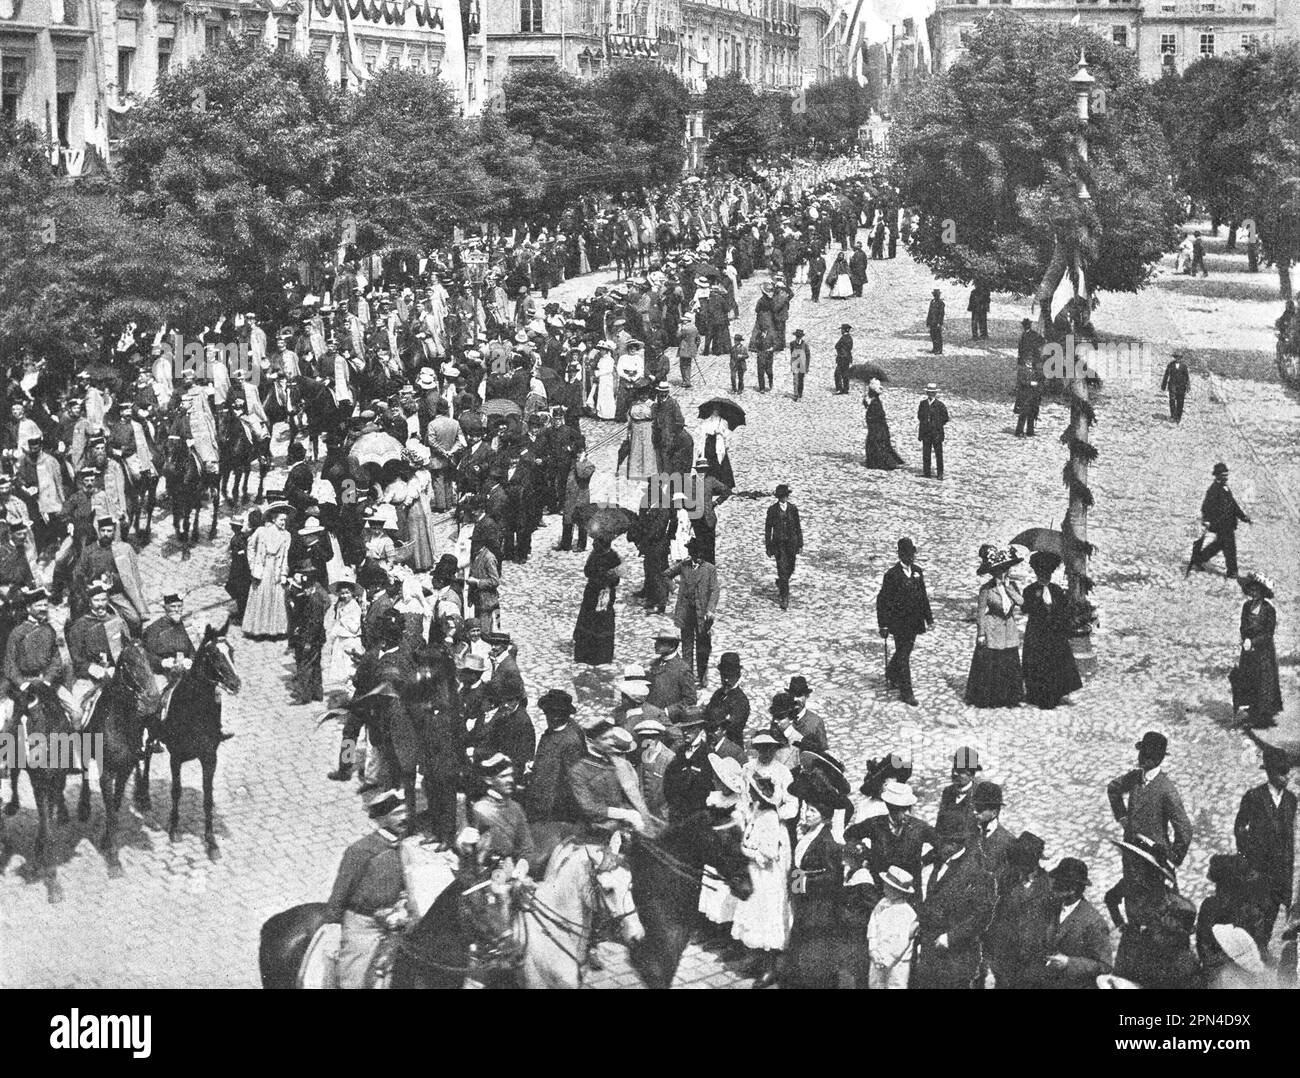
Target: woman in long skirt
762, 921
642, 458
342, 638
1257, 686
602, 400
267, 614
995, 679
880, 452
714, 436
593, 635
838, 280
1051, 673
419, 513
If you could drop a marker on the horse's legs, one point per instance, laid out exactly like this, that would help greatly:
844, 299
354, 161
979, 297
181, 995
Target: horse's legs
45, 791
216, 504
174, 823
11, 806
263, 466
408, 794
83, 802
110, 789
209, 764
143, 801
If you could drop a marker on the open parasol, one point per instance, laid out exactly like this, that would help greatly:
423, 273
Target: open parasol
730, 411
1147, 856
605, 521
375, 448
500, 406
1044, 539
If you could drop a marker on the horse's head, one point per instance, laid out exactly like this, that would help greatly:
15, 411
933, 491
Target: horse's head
135, 677
613, 880
723, 853
433, 684
215, 659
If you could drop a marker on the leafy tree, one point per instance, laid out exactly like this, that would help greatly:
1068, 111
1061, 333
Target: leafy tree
75, 264
245, 143
738, 123
830, 113
1231, 123
987, 153
647, 106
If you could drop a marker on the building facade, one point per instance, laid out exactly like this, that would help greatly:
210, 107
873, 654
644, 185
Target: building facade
567, 33
822, 53
1165, 34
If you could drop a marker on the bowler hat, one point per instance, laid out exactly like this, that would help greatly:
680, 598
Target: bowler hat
798, 686
1220, 469
1026, 849
556, 702
906, 546
729, 663
987, 795
1071, 872
1154, 743
782, 490
845, 327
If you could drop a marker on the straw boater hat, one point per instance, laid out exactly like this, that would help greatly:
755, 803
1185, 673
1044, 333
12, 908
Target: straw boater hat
426, 379
899, 880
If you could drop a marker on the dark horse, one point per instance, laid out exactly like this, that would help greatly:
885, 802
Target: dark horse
191, 728
128, 700
666, 875
187, 483
239, 451
318, 405
53, 750
428, 721
143, 493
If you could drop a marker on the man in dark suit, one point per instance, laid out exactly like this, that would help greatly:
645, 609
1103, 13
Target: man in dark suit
896, 838
934, 322
697, 605
671, 679
561, 745
843, 358
816, 271
1030, 346
995, 840
688, 779
858, 268
960, 900
506, 681
730, 698
1219, 514
1078, 943
1016, 943
806, 730
903, 610
783, 539
1146, 803
1265, 832
955, 800
931, 418
1177, 379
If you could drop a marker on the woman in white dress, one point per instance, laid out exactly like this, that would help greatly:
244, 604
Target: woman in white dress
602, 400
342, 638
762, 921
267, 614
642, 457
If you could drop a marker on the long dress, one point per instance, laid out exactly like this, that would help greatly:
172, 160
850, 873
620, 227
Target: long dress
714, 435
593, 635
267, 614
1257, 684
762, 921
995, 679
880, 452
602, 400
642, 458
342, 641
838, 279
419, 522
1048, 663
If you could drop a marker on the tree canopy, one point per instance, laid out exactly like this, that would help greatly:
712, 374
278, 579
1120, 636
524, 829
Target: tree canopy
987, 153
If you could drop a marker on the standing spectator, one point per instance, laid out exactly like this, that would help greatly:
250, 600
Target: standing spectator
858, 269
268, 555
816, 272
1219, 514
238, 580
764, 346
934, 322
1265, 834
739, 361
800, 360
671, 680
816, 886
843, 358
931, 418
783, 540
1017, 939
995, 679
697, 603
688, 347
730, 699
652, 763
1198, 255
593, 635
1255, 684
561, 745
957, 911
1051, 673
903, 611
1146, 802
1029, 395
1177, 380
978, 305
761, 922
1078, 944
891, 931
955, 800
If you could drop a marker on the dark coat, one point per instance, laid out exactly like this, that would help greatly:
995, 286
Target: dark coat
1153, 809
815, 945
996, 845
1266, 838
1084, 939
734, 704
782, 531
960, 904
931, 418
548, 796
902, 606
963, 809
934, 313
885, 848
510, 732
688, 781
1177, 377
671, 682
1219, 509
1017, 939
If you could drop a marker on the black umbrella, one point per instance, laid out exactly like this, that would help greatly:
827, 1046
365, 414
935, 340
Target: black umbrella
1045, 539
501, 406
732, 412
605, 521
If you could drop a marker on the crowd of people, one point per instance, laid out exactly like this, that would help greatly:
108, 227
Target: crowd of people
448, 396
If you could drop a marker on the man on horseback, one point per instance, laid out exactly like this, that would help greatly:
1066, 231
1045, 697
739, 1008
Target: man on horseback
167, 643
115, 564
605, 785
32, 654
94, 644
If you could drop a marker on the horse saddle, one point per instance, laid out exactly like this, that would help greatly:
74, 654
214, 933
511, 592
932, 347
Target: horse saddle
167, 692
88, 703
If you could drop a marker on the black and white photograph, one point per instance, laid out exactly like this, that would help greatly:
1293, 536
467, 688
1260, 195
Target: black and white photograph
624, 494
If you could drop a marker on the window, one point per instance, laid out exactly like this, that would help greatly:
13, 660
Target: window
166, 43
212, 37
1168, 44
125, 72
1252, 42
1119, 35
13, 77
530, 16
67, 73
1207, 44
471, 81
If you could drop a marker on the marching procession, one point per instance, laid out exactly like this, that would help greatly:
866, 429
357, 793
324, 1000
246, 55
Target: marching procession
437, 412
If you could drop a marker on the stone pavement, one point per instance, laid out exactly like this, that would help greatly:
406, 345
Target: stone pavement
1163, 647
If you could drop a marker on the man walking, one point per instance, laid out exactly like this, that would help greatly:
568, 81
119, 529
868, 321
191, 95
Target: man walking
1219, 514
843, 358
1198, 255
783, 540
858, 269
816, 271
934, 323
931, 418
697, 603
1177, 379
903, 610
800, 358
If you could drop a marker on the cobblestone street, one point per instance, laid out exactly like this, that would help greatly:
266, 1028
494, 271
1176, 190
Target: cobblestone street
1163, 647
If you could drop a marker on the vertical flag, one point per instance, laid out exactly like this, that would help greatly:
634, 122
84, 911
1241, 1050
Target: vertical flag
353, 60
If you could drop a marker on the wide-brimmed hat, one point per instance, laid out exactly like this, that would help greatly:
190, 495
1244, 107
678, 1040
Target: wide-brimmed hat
898, 794
994, 560
1071, 872
1255, 580
556, 702
762, 788
634, 682
311, 526
782, 704
728, 772
426, 379
816, 789
771, 737
899, 879
1241, 949
1150, 851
